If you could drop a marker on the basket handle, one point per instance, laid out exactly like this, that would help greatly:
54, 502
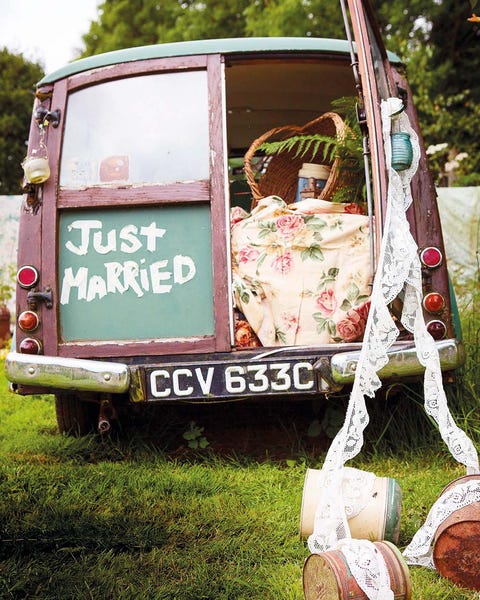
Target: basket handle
287, 131
248, 158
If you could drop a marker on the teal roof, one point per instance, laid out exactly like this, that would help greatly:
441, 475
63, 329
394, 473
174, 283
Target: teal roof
222, 46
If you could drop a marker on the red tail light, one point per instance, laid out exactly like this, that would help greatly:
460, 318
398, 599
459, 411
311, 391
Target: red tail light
30, 346
437, 329
28, 320
434, 302
431, 257
27, 276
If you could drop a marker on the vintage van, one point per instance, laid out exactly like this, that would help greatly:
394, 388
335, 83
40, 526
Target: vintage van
167, 254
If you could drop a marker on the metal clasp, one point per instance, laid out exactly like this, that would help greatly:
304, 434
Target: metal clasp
46, 117
34, 297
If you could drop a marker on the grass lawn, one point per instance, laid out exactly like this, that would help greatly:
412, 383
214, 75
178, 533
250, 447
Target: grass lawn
144, 515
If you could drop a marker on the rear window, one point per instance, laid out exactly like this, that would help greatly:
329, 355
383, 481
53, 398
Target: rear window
136, 130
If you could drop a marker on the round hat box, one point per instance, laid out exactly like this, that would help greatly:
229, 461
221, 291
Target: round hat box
326, 576
379, 520
456, 544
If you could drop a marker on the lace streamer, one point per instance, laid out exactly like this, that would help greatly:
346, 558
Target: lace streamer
398, 271
394, 267
368, 566
357, 488
419, 551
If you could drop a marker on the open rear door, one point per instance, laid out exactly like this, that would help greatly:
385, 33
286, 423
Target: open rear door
376, 83
378, 79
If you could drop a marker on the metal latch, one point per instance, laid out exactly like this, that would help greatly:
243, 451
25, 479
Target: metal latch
45, 117
34, 297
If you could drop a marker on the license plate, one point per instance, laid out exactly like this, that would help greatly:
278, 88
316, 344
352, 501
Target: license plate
210, 380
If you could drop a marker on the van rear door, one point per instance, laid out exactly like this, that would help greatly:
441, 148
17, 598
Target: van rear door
379, 79
137, 224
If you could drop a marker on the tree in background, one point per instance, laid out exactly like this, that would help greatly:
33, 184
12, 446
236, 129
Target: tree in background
435, 39
311, 18
441, 48
17, 80
128, 23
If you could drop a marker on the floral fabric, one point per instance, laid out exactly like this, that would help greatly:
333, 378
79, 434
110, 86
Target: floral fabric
301, 272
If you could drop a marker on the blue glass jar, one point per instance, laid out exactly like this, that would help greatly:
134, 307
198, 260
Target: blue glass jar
402, 150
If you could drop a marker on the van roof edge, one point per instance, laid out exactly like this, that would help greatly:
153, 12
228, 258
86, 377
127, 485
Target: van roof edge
211, 46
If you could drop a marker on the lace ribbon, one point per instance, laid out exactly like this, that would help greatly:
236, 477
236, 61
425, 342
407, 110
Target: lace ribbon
410, 274
398, 271
394, 268
419, 551
357, 488
368, 566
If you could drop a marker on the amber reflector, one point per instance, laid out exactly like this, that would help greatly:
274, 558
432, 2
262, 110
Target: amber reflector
437, 329
30, 346
28, 320
27, 276
434, 302
431, 257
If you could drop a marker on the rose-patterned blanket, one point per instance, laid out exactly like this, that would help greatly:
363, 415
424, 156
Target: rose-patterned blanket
301, 272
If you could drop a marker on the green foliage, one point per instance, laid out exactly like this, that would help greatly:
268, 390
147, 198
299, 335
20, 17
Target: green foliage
348, 148
127, 23
300, 145
194, 436
437, 43
17, 79
440, 48
7, 282
315, 18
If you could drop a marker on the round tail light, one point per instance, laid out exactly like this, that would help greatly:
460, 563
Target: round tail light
431, 257
28, 320
434, 302
30, 346
437, 329
27, 276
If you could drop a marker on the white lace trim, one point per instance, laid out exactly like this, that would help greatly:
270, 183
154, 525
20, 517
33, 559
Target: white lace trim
357, 488
398, 271
368, 566
420, 551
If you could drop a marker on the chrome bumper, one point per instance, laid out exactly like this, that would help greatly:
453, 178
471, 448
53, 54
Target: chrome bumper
335, 370
67, 373
403, 362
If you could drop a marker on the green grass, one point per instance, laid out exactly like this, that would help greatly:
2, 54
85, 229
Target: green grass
129, 517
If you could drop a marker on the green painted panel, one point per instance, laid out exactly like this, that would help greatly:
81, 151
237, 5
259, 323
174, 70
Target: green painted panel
137, 273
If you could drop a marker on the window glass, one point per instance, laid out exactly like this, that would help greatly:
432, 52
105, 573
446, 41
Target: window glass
144, 129
380, 75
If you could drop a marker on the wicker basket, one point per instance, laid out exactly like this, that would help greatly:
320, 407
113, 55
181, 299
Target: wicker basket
280, 176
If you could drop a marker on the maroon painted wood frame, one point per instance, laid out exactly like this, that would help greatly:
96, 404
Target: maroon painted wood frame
40, 224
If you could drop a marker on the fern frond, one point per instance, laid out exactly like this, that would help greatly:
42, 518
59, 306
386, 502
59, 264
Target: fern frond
303, 144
